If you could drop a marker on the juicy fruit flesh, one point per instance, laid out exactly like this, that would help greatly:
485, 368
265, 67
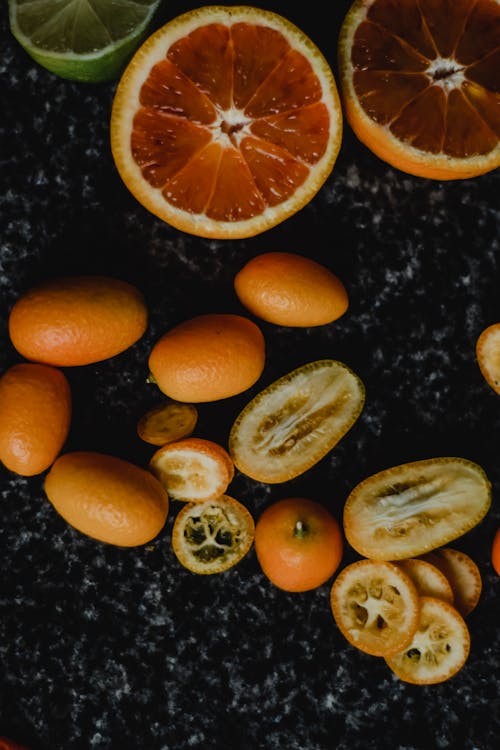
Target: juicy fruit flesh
212, 534
439, 647
211, 537
410, 509
375, 606
429, 72
80, 26
226, 131
294, 422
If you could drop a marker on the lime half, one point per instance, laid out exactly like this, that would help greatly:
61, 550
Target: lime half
83, 40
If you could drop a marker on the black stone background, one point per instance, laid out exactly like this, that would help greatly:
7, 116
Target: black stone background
108, 648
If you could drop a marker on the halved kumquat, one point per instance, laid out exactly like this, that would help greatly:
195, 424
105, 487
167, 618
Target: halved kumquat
193, 470
212, 536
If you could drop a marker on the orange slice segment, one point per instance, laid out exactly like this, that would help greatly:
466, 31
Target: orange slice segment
463, 575
420, 81
428, 579
212, 536
167, 423
375, 606
226, 121
439, 648
408, 510
290, 425
488, 355
193, 470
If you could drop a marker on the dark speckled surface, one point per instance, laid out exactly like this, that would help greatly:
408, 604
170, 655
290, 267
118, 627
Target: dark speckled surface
105, 648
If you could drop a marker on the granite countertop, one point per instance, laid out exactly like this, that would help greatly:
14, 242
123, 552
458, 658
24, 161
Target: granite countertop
106, 648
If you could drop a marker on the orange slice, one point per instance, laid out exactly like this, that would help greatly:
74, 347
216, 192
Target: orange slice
428, 579
226, 121
295, 421
193, 470
408, 510
488, 355
463, 575
167, 422
375, 606
420, 81
439, 648
212, 536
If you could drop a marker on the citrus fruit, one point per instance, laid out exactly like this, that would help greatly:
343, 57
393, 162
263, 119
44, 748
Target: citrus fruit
408, 510
107, 498
463, 575
6, 744
290, 290
293, 423
495, 552
428, 579
439, 648
375, 605
226, 121
420, 83
35, 415
82, 41
212, 536
208, 358
488, 355
77, 320
193, 470
167, 422
298, 544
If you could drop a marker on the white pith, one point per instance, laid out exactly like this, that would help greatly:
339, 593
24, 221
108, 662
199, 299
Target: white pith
454, 77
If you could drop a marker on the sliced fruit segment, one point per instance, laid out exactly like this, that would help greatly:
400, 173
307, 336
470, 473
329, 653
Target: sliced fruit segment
488, 355
212, 536
405, 70
408, 510
193, 470
439, 648
167, 422
243, 80
428, 579
463, 575
81, 41
375, 606
295, 421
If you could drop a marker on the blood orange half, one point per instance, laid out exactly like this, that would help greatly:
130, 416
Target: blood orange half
226, 122
420, 82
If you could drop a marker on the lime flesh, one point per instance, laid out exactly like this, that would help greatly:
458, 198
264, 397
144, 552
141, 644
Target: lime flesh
83, 40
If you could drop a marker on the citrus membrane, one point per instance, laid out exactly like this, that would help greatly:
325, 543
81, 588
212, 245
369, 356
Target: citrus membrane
226, 121
83, 40
293, 423
212, 536
408, 510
